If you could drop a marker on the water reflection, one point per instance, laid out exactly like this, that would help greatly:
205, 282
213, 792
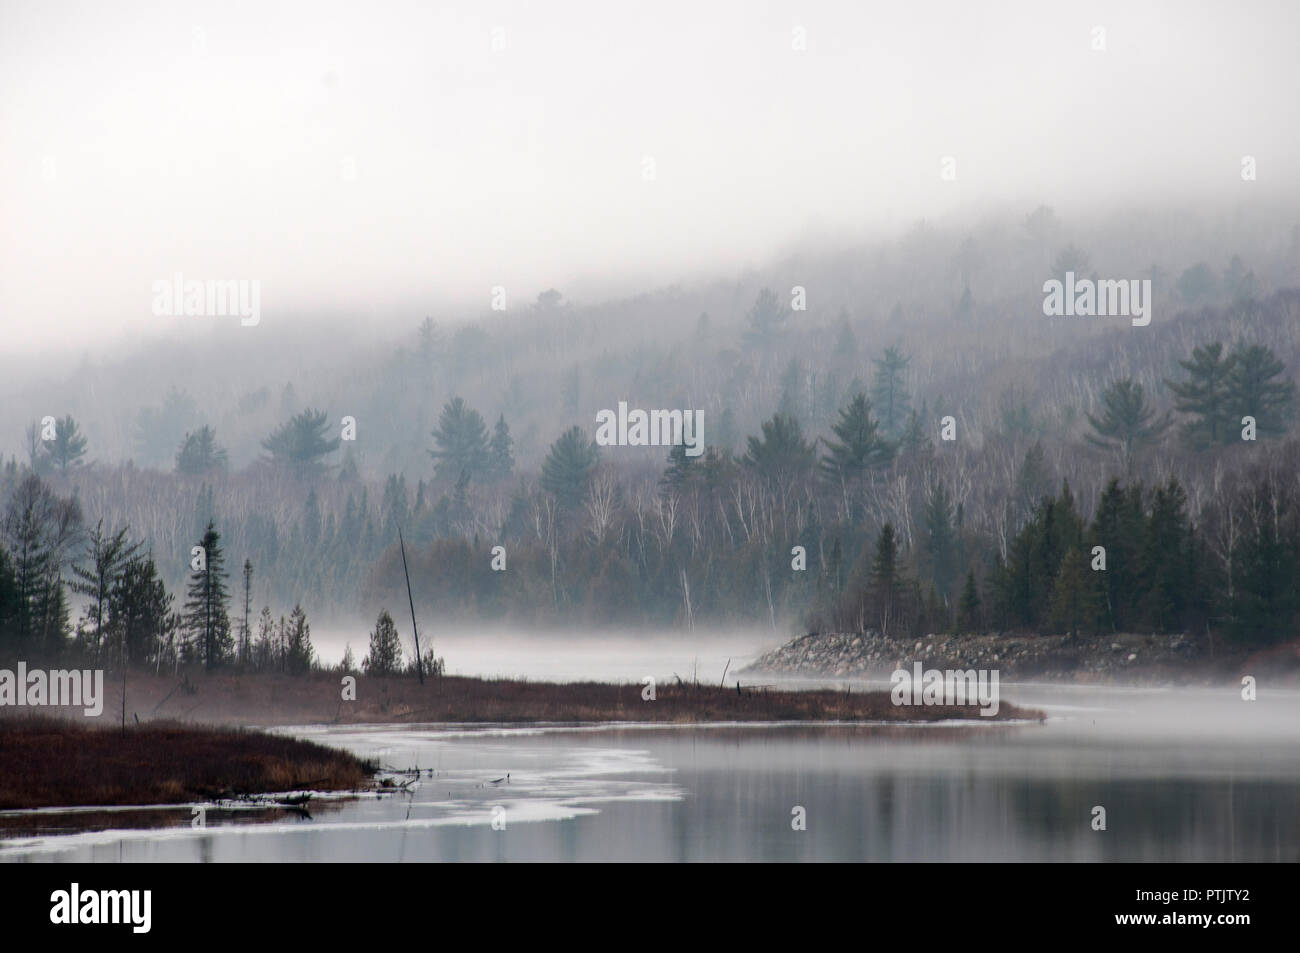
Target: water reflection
1182, 776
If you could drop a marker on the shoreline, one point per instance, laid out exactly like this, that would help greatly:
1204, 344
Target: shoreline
57, 762
330, 698
232, 741
1125, 659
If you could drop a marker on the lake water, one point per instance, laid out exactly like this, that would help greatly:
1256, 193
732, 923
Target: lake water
1191, 774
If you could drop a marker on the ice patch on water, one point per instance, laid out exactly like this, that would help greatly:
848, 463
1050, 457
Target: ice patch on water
473, 774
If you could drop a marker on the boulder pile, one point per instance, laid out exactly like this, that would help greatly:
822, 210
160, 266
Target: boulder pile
1179, 659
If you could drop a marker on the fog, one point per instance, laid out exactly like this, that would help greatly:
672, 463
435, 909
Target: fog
605, 654
471, 233
385, 161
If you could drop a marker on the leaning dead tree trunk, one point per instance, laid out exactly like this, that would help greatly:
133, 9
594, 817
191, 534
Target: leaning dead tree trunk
419, 659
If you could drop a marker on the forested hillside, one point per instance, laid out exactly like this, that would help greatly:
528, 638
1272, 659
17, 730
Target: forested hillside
946, 456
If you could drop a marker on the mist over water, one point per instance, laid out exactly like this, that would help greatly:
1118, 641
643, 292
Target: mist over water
1183, 775
576, 654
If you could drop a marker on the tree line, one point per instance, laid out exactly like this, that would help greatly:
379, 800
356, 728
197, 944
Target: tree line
48, 556
708, 538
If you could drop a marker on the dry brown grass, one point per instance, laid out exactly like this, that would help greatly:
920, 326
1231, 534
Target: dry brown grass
48, 762
314, 699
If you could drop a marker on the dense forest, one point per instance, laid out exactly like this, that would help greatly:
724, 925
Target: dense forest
940, 460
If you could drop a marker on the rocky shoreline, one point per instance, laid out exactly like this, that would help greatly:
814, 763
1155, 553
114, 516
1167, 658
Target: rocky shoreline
1163, 659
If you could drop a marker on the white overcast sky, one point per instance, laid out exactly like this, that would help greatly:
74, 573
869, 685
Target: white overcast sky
142, 139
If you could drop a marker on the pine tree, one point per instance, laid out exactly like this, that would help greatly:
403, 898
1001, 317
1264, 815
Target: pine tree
299, 653
264, 646
968, 608
886, 583
108, 554
679, 472
1117, 527
889, 390
206, 620
1033, 480
938, 541
68, 447
52, 618
245, 635
349, 472
1127, 421
501, 451
462, 442
385, 655
766, 320
139, 610
39, 528
781, 454
300, 444
916, 442
395, 508
1252, 389
1073, 603
1014, 581
199, 453
1168, 580
1205, 394
568, 466
718, 471
859, 448
1025, 582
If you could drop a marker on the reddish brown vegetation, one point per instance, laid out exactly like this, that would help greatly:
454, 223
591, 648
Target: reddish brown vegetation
50, 762
467, 699
62, 761
316, 698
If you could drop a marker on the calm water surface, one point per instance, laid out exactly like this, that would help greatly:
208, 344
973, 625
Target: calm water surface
1182, 775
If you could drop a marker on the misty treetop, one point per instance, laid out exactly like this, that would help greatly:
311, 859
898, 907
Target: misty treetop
462, 447
55, 445
858, 445
1218, 389
711, 537
823, 411
199, 453
301, 443
1127, 420
385, 654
